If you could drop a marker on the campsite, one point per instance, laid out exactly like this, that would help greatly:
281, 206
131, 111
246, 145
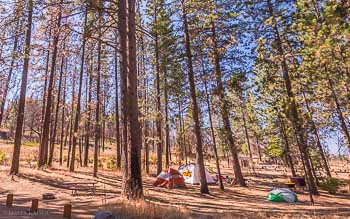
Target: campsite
174, 109
162, 201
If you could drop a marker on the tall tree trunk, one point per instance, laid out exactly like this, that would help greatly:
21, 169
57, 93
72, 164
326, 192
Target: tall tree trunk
317, 136
225, 113
133, 185
63, 116
53, 138
43, 150
88, 125
286, 143
22, 98
98, 97
46, 80
167, 135
247, 135
117, 119
158, 103
213, 133
122, 29
298, 128
195, 111
71, 120
77, 111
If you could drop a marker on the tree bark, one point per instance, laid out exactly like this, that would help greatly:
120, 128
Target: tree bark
77, 112
225, 113
195, 111
158, 103
22, 98
43, 150
298, 128
317, 136
122, 29
98, 99
117, 119
133, 185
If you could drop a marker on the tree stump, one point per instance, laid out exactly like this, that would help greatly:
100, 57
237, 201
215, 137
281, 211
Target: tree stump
9, 200
35, 205
67, 211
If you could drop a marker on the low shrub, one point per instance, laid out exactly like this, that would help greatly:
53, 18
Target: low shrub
331, 185
3, 158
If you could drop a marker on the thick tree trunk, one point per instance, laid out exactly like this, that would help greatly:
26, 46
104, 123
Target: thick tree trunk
225, 113
133, 185
22, 98
195, 111
122, 29
298, 128
43, 150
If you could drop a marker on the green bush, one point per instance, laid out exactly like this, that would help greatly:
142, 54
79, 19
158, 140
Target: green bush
112, 164
331, 185
3, 158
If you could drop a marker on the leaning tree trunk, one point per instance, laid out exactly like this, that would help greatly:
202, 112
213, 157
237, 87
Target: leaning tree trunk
225, 113
340, 113
213, 134
297, 125
195, 111
22, 97
318, 140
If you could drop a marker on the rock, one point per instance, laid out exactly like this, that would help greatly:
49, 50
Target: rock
103, 215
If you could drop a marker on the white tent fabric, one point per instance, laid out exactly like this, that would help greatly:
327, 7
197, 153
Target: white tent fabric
191, 174
287, 194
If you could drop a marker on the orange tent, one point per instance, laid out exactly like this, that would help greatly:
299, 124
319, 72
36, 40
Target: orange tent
170, 178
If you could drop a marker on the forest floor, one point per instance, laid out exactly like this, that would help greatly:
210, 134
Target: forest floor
233, 202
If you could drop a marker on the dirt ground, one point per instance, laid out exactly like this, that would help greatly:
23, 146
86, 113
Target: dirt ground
32, 183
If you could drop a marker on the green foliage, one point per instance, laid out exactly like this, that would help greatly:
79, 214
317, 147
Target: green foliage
111, 163
331, 185
3, 158
274, 148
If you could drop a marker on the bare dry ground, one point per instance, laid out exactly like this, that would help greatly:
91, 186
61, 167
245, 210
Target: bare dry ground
234, 202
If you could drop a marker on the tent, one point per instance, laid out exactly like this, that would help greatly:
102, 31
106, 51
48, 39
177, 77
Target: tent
282, 195
191, 174
170, 178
